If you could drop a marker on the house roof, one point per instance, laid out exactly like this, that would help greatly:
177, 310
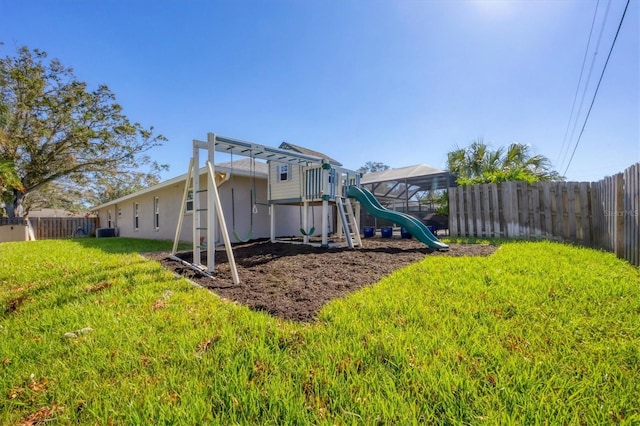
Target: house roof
405, 182
243, 167
306, 151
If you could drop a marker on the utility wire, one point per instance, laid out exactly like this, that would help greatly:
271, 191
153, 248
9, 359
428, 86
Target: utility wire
586, 84
575, 96
584, 92
597, 87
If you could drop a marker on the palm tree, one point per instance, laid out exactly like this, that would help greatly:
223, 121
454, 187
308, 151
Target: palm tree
480, 164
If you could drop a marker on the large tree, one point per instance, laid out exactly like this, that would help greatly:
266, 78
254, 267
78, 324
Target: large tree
478, 163
59, 134
373, 166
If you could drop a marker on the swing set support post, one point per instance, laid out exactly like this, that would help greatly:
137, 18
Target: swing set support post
272, 213
325, 204
195, 175
325, 223
305, 221
183, 205
223, 226
211, 213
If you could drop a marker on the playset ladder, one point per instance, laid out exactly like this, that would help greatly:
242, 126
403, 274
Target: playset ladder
212, 211
349, 223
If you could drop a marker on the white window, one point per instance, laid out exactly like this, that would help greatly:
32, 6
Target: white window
189, 207
156, 213
109, 219
136, 211
283, 172
119, 212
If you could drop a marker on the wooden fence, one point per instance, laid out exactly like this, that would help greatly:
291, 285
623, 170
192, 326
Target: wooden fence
48, 228
602, 214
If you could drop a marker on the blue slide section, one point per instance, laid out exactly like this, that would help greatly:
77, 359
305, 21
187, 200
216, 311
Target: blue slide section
410, 223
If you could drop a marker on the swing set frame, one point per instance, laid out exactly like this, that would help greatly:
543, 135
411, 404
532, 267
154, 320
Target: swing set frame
212, 210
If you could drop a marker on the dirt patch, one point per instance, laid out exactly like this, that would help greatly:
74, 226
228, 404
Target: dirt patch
293, 281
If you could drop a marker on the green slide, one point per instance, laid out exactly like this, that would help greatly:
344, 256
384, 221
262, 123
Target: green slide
410, 223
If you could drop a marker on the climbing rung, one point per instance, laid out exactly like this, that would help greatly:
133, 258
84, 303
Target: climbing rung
349, 223
201, 210
202, 229
201, 190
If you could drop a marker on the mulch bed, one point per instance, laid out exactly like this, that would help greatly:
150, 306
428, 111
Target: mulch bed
293, 281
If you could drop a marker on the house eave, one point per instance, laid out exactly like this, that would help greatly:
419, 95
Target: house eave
178, 180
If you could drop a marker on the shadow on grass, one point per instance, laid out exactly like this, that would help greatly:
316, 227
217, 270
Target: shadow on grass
120, 245
474, 240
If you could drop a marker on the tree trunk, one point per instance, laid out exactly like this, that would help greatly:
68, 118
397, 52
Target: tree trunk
17, 209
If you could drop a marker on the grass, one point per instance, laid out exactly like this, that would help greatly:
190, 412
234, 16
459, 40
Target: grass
537, 333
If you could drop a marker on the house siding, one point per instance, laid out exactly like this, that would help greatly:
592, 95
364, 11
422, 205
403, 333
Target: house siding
170, 197
284, 190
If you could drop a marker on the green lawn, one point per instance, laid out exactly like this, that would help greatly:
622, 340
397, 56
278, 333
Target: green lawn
537, 333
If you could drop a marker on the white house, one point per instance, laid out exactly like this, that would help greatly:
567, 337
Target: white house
152, 213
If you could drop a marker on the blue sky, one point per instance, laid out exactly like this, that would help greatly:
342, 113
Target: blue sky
400, 82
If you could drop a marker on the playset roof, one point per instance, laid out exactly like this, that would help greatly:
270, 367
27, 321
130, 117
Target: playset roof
306, 151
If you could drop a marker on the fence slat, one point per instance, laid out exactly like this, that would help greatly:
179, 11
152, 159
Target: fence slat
619, 214
585, 214
537, 220
495, 212
523, 209
453, 212
486, 211
513, 215
469, 210
477, 209
463, 212
546, 211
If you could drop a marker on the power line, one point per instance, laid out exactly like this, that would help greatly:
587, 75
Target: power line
597, 87
575, 96
586, 85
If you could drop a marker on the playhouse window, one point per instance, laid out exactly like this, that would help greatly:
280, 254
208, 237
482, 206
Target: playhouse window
136, 210
283, 172
189, 202
156, 213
